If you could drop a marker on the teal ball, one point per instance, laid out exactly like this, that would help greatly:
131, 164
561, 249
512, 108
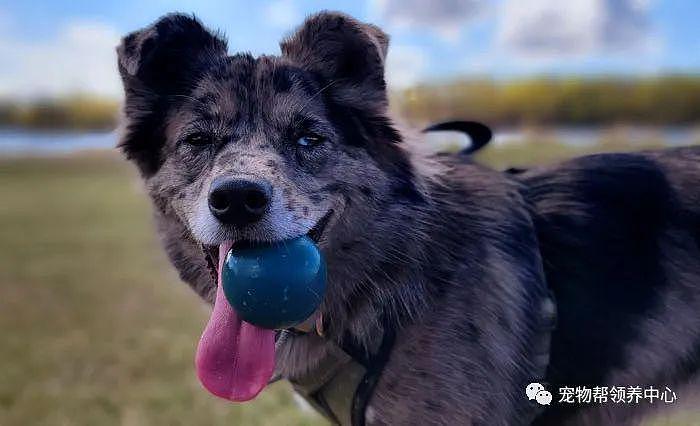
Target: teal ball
277, 285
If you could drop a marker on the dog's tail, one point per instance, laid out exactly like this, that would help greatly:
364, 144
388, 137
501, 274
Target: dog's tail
480, 134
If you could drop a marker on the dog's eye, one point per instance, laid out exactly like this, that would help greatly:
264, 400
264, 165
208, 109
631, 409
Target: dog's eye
199, 139
309, 140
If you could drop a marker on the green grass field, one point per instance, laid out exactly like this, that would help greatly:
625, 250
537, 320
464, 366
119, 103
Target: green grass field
96, 329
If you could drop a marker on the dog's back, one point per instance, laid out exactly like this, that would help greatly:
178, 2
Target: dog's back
620, 242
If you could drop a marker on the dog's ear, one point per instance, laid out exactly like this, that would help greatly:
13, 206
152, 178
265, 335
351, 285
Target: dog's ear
163, 57
156, 64
344, 53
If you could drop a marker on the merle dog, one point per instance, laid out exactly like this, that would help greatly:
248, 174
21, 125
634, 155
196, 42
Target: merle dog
456, 260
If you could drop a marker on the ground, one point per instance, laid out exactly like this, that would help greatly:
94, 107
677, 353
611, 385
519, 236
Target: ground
96, 328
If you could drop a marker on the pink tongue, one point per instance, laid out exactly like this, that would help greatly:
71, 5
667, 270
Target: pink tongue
235, 359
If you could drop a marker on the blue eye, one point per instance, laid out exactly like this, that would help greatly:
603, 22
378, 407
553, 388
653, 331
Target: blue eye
309, 140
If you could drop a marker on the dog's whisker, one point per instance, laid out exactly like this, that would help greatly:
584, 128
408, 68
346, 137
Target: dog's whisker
312, 99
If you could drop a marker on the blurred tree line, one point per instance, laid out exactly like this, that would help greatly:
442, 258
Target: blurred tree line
72, 113
667, 100
574, 101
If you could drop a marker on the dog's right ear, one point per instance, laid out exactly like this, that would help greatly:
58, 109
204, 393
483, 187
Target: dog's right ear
347, 55
156, 64
164, 56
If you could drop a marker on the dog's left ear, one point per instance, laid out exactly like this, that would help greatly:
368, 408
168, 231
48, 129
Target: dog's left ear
158, 65
164, 56
347, 55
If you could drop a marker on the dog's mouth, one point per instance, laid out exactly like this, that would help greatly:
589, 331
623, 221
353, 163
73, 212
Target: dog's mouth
236, 359
211, 252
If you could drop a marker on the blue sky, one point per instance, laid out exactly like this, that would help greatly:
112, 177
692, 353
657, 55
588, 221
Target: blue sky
59, 47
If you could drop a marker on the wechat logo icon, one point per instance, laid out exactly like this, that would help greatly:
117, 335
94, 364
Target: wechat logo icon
537, 392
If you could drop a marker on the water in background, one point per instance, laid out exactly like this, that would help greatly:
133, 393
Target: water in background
22, 142
577, 137
586, 136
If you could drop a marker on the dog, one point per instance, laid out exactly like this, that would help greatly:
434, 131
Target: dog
461, 265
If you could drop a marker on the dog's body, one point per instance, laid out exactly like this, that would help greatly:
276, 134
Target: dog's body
460, 258
619, 236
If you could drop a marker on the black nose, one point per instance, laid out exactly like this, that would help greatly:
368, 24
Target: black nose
239, 202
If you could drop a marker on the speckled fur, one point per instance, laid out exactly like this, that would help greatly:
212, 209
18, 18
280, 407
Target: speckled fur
449, 249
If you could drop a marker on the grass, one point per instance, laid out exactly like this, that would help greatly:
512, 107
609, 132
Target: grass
96, 328
536, 150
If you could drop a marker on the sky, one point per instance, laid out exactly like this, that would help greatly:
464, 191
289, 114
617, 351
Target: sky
61, 47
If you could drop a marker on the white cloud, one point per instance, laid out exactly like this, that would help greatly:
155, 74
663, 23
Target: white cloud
81, 58
283, 14
573, 27
445, 17
405, 66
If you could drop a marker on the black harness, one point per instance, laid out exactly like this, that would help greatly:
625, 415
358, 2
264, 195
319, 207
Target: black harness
342, 385
374, 364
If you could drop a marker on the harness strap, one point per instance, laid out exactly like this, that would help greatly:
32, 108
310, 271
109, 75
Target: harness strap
343, 383
374, 367
541, 356
331, 387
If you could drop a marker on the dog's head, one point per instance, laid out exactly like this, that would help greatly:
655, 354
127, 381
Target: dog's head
268, 148
237, 148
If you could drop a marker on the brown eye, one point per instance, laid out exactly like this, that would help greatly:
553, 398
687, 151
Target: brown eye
199, 139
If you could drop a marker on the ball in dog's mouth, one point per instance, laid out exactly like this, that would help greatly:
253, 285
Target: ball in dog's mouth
274, 285
236, 358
